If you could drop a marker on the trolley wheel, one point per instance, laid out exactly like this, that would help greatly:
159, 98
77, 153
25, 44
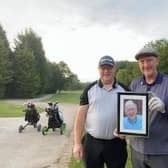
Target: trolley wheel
39, 127
44, 130
20, 129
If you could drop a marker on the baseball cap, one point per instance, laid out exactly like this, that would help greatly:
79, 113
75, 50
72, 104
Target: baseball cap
106, 60
146, 52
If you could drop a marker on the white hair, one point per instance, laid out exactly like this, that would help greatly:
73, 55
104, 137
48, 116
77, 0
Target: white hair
130, 103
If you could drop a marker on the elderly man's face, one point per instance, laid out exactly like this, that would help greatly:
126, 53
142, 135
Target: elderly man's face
131, 111
148, 65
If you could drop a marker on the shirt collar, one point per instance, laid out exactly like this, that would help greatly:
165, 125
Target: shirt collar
158, 80
100, 84
132, 121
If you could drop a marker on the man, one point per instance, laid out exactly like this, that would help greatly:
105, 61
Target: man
98, 114
132, 120
152, 151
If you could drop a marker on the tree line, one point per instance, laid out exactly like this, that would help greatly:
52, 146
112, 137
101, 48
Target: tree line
25, 72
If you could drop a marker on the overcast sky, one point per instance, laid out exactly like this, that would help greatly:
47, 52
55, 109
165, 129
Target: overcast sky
79, 32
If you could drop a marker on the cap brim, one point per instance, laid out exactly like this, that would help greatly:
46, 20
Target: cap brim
106, 64
142, 55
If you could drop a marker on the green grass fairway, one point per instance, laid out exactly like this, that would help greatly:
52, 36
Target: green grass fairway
66, 97
10, 110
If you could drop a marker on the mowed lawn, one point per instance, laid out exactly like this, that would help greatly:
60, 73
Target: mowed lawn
66, 97
13, 110
10, 110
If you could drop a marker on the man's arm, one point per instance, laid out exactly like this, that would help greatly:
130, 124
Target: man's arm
78, 131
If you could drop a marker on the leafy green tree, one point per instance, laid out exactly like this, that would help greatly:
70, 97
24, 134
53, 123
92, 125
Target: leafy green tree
54, 76
27, 80
61, 78
64, 75
161, 47
72, 83
6, 73
127, 71
30, 40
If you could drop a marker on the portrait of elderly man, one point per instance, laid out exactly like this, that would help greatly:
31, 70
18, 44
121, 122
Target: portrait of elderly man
132, 118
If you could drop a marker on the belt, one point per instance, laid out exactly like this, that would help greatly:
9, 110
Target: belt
101, 140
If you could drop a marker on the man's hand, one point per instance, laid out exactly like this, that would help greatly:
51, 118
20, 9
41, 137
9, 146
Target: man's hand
115, 133
155, 104
78, 151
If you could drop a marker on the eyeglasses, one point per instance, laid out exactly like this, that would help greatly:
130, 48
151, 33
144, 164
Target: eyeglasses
106, 67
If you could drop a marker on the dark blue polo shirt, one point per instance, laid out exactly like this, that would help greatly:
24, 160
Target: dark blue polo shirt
157, 142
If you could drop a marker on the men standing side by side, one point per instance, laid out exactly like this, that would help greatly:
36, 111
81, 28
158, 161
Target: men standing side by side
96, 118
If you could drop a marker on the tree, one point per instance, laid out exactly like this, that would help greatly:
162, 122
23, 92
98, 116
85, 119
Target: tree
72, 83
161, 47
31, 41
127, 71
53, 77
64, 75
27, 80
6, 73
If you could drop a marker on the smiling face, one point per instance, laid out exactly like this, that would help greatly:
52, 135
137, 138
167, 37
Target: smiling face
107, 74
130, 110
148, 66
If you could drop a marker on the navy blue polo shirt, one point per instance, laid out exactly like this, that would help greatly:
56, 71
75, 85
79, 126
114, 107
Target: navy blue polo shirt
157, 142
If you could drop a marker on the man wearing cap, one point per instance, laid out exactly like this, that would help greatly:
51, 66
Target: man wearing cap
97, 113
152, 151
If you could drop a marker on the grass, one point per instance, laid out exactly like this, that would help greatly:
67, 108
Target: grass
75, 164
66, 97
13, 110
128, 165
10, 110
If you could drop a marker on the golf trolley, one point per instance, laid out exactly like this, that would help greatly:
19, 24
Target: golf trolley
31, 117
55, 119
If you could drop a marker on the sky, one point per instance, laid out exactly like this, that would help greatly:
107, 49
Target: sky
79, 32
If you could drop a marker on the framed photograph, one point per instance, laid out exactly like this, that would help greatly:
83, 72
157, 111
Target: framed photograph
133, 113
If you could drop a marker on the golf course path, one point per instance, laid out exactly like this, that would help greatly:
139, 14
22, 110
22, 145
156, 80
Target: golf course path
30, 149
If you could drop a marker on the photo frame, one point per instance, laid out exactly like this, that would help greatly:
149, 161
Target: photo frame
132, 113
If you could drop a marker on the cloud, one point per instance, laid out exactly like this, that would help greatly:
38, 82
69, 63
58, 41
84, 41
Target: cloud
145, 17
81, 30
